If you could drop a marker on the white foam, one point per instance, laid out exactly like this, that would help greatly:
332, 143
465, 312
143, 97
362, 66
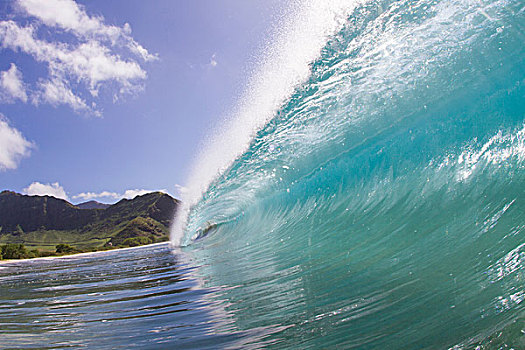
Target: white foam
498, 150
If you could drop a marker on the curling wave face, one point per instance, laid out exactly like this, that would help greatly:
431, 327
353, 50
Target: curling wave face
383, 203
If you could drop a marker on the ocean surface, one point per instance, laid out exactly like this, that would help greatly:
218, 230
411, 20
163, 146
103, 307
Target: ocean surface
140, 298
368, 192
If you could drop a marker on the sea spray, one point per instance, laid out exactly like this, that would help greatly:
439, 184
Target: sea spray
285, 64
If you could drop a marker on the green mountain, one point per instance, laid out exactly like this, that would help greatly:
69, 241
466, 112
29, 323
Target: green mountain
43, 222
92, 205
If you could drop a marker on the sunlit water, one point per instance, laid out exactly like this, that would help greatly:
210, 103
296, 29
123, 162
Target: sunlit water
138, 298
369, 193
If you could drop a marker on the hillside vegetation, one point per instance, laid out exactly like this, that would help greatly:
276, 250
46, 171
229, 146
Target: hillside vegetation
44, 222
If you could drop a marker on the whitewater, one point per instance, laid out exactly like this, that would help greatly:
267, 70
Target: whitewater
368, 192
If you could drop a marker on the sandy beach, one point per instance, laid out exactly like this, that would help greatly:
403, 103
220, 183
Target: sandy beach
74, 256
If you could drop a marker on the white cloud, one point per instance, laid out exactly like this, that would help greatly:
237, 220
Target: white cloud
13, 146
55, 190
90, 63
39, 189
128, 194
66, 14
213, 61
70, 16
86, 196
78, 68
56, 92
180, 190
11, 85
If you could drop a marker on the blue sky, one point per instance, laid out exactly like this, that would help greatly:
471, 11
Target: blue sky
106, 99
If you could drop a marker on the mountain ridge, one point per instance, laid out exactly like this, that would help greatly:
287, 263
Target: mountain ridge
92, 205
45, 221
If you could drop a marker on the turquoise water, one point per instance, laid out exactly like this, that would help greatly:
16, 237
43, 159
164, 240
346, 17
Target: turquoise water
368, 193
382, 205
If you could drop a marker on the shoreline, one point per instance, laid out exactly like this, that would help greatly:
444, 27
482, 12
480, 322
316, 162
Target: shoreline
70, 256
